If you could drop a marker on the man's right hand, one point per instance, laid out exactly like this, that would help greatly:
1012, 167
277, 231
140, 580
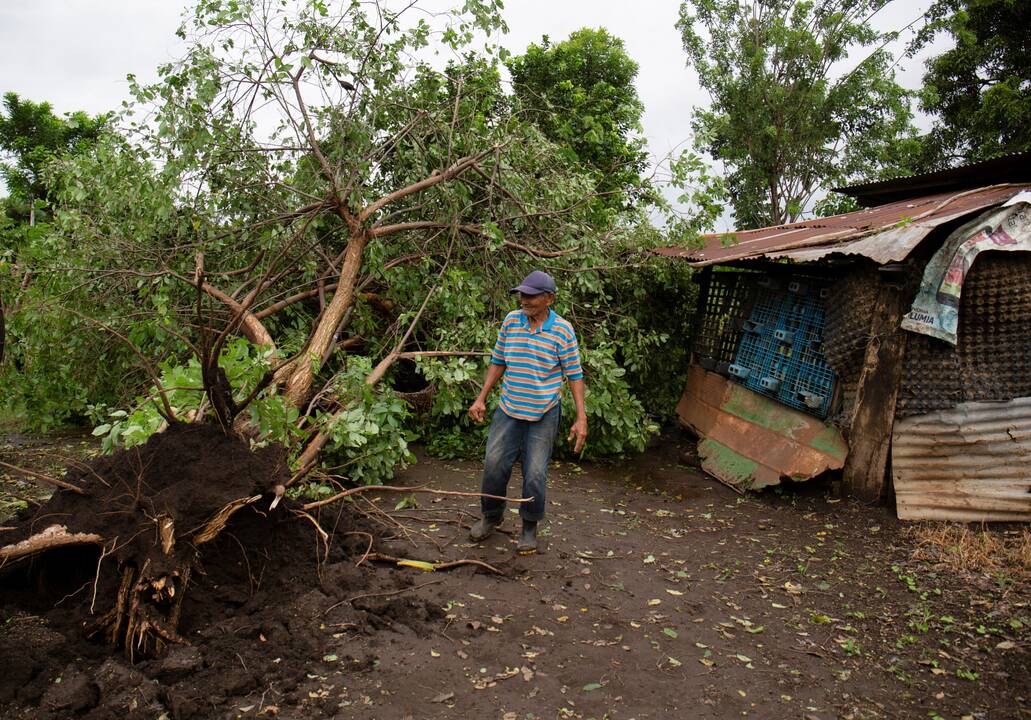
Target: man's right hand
478, 410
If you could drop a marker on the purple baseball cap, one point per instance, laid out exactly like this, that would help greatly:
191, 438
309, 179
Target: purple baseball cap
536, 283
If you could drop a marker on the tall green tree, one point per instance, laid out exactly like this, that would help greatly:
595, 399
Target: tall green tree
792, 112
33, 140
31, 136
580, 93
979, 92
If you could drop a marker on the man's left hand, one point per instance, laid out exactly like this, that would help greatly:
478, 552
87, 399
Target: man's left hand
578, 433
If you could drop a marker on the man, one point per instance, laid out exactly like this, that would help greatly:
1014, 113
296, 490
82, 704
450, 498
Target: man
535, 349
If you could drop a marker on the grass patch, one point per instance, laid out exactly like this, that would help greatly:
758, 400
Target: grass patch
979, 551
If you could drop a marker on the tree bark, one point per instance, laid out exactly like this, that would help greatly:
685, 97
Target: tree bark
865, 472
252, 327
300, 374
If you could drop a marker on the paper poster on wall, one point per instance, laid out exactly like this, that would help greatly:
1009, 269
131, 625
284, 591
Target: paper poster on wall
935, 310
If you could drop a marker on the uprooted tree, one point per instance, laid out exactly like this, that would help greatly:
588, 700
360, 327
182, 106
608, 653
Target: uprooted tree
308, 200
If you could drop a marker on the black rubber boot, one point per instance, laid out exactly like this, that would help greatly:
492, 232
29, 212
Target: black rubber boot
484, 528
528, 540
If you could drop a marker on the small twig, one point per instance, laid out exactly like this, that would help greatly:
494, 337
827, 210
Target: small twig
368, 549
75, 462
395, 488
383, 594
430, 520
45, 478
376, 514
814, 653
468, 561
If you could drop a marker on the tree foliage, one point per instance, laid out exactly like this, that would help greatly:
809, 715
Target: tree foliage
31, 136
53, 367
312, 179
979, 92
580, 93
791, 114
76, 282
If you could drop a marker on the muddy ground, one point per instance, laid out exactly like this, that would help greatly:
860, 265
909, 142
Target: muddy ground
658, 593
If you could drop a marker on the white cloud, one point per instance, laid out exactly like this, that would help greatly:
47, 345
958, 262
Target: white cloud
76, 53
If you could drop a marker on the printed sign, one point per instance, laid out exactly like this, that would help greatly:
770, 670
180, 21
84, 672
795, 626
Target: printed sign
935, 310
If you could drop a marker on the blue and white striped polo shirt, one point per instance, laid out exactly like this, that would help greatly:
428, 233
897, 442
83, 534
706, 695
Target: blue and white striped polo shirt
535, 363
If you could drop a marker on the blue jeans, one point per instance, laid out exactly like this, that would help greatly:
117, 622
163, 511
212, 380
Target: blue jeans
507, 440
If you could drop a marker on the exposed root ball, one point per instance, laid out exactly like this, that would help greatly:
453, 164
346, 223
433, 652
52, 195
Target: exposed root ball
151, 509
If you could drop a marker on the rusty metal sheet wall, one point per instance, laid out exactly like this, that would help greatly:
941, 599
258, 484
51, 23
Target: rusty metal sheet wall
992, 360
970, 463
751, 441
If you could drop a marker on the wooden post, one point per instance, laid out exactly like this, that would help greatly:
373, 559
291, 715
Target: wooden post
865, 475
703, 278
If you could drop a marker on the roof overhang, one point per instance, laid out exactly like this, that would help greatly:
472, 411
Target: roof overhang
884, 234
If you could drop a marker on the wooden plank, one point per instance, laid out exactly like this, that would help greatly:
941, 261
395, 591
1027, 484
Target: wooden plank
865, 474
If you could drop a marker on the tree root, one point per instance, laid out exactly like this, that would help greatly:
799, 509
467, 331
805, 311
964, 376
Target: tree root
54, 536
146, 612
214, 526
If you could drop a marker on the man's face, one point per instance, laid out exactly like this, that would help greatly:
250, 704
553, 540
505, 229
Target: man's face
536, 307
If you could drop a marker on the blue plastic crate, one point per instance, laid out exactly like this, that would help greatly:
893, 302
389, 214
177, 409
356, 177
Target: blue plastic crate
780, 353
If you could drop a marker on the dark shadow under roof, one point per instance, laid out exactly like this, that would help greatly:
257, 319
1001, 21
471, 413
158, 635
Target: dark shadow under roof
1013, 168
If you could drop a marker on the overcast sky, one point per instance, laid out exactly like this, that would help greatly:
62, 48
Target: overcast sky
76, 53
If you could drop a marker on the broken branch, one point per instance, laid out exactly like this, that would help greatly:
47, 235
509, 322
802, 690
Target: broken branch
44, 478
395, 488
439, 566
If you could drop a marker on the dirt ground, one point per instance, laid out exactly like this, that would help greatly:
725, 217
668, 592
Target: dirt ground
658, 593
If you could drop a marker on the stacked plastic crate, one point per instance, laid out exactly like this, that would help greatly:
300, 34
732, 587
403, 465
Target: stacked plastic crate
780, 354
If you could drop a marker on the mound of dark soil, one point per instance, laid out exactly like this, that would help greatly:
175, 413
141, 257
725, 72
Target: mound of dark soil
186, 473
266, 595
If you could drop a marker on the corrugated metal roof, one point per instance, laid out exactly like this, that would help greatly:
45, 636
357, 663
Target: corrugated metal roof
969, 463
884, 234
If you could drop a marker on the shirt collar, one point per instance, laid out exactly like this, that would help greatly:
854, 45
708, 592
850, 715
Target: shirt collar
548, 323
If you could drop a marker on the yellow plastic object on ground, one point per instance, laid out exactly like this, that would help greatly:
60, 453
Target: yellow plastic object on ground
418, 564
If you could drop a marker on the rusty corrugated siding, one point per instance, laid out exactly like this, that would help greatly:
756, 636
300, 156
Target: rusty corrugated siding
970, 463
751, 441
887, 233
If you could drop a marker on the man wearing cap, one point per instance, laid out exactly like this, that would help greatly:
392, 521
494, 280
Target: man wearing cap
535, 349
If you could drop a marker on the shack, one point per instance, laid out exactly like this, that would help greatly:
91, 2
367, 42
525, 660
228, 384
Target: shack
892, 344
